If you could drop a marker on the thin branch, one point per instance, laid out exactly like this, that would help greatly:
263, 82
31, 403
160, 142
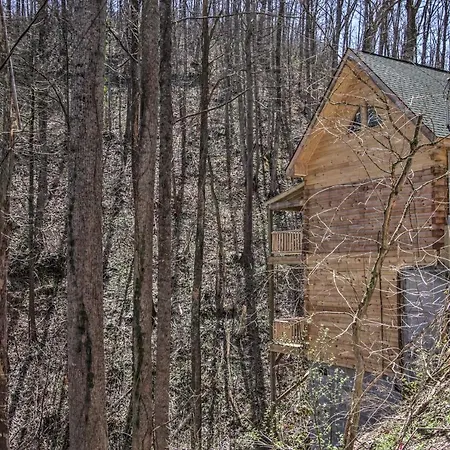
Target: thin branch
8, 56
117, 38
188, 116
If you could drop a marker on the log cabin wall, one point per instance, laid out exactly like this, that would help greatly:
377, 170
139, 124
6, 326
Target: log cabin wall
347, 185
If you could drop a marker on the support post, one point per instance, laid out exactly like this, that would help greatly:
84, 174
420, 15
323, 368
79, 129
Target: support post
271, 301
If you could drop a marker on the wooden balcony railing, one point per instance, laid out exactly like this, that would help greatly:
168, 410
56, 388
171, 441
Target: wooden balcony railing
289, 331
287, 242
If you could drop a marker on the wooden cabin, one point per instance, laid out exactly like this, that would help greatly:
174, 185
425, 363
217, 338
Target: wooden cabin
381, 119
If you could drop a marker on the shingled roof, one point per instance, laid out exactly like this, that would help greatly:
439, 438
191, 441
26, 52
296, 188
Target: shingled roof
420, 88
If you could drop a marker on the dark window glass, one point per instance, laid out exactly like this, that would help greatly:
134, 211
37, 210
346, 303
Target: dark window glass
356, 122
373, 119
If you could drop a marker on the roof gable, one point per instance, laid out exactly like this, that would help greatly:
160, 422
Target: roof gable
414, 89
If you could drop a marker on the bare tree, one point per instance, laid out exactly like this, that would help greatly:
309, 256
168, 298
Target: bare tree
164, 231
196, 361
254, 345
410, 42
143, 166
6, 171
387, 238
86, 368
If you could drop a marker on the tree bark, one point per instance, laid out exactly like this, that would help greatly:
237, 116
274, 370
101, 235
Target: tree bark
254, 342
181, 181
219, 332
196, 362
410, 42
6, 171
32, 332
369, 27
143, 167
86, 368
164, 231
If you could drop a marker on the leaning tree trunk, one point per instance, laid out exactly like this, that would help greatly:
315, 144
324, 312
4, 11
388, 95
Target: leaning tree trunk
143, 167
86, 368
386, 240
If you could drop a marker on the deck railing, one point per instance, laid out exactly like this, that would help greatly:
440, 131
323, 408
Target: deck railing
287, 242
289, 331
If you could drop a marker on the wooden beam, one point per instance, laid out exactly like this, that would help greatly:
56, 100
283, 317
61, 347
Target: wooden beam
287, 205
289, 260
271, 305
287, 195
288, 349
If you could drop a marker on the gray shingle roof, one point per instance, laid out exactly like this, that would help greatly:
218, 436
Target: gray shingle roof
420, 88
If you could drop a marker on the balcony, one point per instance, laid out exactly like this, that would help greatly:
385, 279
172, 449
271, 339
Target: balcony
286, 247
287, 242
289, 331
289, 336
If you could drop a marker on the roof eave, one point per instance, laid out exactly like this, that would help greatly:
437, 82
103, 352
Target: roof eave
281, 201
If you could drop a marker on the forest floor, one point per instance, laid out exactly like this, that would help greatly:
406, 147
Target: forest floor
422, 421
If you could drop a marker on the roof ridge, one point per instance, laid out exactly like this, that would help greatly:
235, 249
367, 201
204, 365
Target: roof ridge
424, 66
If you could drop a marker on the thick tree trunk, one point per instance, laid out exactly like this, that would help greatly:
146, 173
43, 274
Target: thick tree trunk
337, 34
86, 368
228, 125
41, 138
278, 110
410, 41
164, 232
143, 165
369, 27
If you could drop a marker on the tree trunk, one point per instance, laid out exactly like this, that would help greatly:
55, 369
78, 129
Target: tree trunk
164, 231
42, 112
337, 34
410, 42
385, 244
278, 111
196, 362
219, 332
32, 332
143, 166
86, 368
254, 343
6, 170
181, 180
369, 27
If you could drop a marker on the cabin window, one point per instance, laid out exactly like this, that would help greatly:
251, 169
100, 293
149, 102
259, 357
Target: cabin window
356, 122
373, 119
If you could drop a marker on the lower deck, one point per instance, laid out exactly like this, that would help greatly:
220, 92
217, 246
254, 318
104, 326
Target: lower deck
289, 336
